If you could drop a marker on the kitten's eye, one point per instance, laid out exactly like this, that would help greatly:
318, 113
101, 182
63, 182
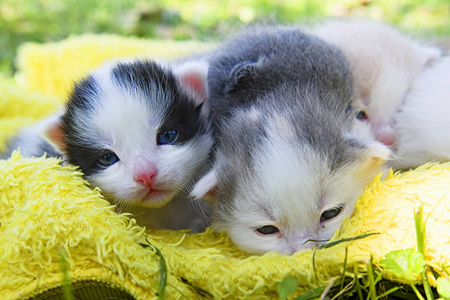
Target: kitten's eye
268, 229
167, 137
330, 214
108, 159
361, 115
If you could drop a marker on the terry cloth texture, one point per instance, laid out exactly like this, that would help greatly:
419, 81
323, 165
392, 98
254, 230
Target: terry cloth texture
51, 219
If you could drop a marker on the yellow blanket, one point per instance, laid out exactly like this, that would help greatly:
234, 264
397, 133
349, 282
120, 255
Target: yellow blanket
50, 220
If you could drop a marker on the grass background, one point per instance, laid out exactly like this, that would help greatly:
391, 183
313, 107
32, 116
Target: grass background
52, 20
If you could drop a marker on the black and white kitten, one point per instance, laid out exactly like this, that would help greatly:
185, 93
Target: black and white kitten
139, 131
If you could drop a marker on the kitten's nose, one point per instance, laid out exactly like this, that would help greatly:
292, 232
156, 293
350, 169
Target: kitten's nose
385, 133
146, 178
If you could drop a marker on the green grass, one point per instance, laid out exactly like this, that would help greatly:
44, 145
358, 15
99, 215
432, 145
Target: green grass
407, 264
51, 20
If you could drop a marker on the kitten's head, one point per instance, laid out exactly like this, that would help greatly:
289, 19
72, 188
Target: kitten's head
283, 179
385, 65
138, 130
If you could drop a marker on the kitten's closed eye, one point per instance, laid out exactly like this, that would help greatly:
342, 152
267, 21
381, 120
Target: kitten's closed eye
267, 229
330, 214
108, 159
167, 137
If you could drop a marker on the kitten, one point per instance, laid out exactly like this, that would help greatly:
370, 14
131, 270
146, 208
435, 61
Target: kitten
139, 131
422, 126
288, 167
384, 63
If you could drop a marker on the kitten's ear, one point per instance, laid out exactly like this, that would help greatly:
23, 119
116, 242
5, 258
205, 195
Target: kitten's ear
379, 152
54, 133
206, 187
193, 78
242, 74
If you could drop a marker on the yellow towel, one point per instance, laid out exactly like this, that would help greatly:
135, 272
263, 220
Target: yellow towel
48, 215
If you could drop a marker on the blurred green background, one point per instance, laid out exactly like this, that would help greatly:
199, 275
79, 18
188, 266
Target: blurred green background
52, 20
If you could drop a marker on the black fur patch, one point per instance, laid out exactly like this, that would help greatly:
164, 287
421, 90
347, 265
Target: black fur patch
181, 115
82, 99
142, 75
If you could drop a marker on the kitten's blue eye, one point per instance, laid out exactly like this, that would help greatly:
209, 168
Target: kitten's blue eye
330, 214
167, 137
361, 115
108, 159
267, 229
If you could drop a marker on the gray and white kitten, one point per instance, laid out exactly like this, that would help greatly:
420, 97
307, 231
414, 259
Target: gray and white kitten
288, 167
138, 130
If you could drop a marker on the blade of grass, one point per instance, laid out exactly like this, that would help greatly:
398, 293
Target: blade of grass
327, 289
66, 286
162, 271
311, 294
329, 245
343, 270
388, 292
372, 292
420, 237
418, 294
420, 231
347, 288
357, 285
358, 237
178, 290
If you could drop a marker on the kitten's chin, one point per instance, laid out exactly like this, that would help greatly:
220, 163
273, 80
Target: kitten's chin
155, 198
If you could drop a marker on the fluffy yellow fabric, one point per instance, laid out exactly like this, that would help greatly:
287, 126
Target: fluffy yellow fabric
52, 68
19, 109
47, 212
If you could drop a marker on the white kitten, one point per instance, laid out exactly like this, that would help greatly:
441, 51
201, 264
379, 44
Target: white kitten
422, 126
384, 64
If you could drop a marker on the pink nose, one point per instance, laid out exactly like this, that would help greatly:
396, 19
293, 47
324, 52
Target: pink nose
385, 134
146, 178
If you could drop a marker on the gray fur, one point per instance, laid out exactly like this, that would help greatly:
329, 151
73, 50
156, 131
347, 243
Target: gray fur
30, 141
263, 58
283, 71
22, 142
279, 79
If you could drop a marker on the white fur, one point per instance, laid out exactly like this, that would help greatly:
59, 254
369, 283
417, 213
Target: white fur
384, 63
290, 188
363, 133
423, 125
204, 185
